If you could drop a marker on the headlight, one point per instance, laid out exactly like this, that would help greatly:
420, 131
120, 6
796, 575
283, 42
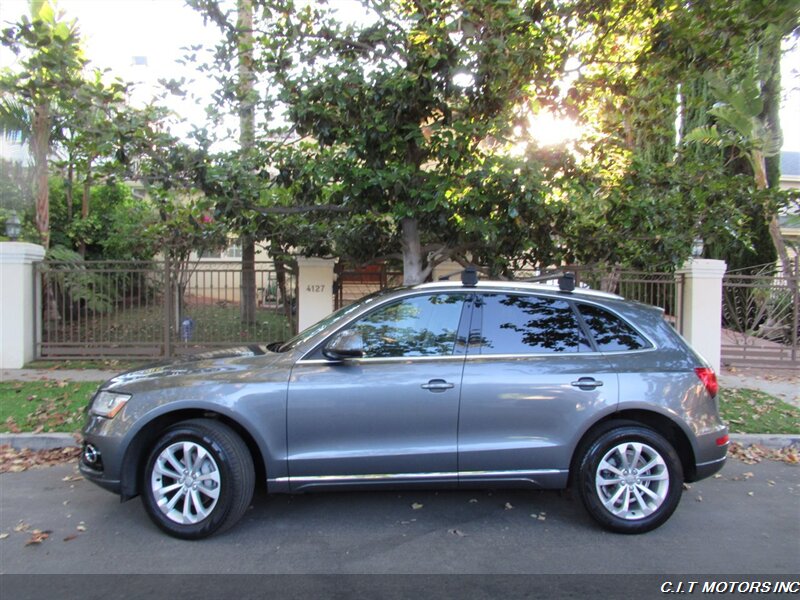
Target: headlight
108, 404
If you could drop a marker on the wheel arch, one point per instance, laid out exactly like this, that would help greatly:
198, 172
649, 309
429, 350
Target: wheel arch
662, 424
133, 462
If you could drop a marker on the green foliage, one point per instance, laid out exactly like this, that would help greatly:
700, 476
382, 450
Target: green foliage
402, 108
117, 227
80, 286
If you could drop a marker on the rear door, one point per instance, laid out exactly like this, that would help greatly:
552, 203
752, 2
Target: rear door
532, 380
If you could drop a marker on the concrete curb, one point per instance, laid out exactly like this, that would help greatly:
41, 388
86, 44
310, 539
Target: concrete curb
39, 441
768, 440
49, 441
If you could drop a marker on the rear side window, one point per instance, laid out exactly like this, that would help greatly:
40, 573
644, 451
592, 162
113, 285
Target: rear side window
513, 324
610, 333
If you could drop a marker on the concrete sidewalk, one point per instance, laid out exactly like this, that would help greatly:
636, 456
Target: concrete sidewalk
56, 375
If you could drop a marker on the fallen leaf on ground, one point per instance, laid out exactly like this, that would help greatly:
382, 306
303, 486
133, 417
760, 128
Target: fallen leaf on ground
21, 526
37, 537
417, 505
71, 537
509, 506
755, 453
473, 500
15, 461
456, 532
4, 535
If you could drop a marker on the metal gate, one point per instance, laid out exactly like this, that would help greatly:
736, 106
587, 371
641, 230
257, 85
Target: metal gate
760, 320
156, 309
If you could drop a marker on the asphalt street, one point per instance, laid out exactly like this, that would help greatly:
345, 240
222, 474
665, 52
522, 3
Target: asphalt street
746, 521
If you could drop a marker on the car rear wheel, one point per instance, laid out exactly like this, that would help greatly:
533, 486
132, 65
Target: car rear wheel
198, 479
630, 479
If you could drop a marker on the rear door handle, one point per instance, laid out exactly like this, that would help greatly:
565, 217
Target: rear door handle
437, 385
587, 383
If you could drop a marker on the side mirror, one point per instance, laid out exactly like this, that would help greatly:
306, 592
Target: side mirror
345, 344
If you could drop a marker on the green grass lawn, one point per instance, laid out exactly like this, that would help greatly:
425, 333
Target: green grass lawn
751, 411
44, 406
82, 365
214, 323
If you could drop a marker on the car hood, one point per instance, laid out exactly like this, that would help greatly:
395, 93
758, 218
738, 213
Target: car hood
225, 364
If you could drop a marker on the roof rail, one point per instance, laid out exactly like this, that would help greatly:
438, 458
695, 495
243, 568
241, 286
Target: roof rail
469, 277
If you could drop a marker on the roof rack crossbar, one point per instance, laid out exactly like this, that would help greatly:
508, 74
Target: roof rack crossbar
566, 281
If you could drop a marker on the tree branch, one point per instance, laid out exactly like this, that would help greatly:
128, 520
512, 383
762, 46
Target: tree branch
299, 210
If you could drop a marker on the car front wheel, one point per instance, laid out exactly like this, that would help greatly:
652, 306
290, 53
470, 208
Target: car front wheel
630, 479
198, 479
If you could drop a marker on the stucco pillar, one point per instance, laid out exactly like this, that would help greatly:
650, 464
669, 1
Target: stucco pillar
315, 288
18, 303
701, 307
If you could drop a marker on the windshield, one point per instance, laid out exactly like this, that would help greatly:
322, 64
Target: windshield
320, 326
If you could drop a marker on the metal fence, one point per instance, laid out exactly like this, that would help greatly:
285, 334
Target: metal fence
157, 309
662, 289
353, 284
760, 321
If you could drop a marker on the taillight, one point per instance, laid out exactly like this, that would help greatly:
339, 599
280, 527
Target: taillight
709, 379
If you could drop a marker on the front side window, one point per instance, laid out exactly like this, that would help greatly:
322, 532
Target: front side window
610, 333
516, 324
416, 326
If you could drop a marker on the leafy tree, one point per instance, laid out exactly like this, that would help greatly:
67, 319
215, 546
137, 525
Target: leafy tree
49, 71
406, 108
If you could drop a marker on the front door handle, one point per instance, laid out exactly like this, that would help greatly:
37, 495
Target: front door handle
587, 383
437, 385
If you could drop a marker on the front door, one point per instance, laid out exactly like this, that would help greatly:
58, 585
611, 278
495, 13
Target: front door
390, 416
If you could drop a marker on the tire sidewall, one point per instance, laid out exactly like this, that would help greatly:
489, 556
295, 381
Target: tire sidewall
588, 470
204, 438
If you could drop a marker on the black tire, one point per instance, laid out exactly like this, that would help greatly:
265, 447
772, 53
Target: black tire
223, 486
663, 481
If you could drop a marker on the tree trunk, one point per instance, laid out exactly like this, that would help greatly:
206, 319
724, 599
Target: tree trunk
247, 304
760, 170
87, 192
40, 147
244, 27
70, 181
413, 270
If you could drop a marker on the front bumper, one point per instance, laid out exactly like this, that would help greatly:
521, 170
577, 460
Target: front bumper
95, 476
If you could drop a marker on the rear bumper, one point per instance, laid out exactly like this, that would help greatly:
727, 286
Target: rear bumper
707, 469
709, 454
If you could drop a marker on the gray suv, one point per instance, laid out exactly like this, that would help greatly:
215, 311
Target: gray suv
449, 385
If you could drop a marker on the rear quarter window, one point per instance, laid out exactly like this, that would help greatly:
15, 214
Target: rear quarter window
610, 332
